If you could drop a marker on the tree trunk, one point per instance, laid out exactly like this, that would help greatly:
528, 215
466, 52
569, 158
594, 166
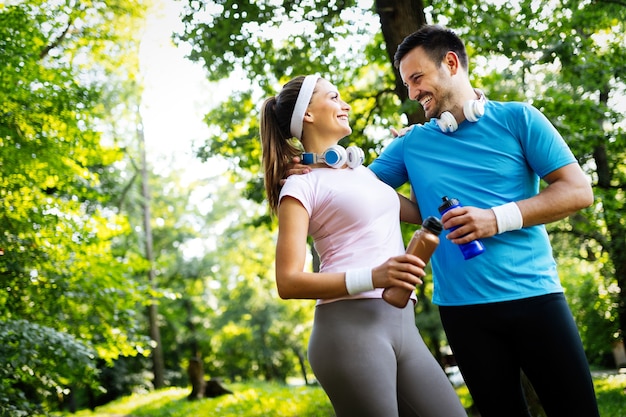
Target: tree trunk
155, 333
302, 361
195, 372
193, 338
616, 228
618, 252
398, 19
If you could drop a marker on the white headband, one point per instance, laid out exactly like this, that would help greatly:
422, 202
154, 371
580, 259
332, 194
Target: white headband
302, 102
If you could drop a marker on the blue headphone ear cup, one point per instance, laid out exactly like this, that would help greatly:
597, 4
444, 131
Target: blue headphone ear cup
474, 110
335, 156
356, 156
308, 158
447, 123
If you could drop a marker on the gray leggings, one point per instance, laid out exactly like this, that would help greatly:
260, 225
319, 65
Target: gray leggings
372, 362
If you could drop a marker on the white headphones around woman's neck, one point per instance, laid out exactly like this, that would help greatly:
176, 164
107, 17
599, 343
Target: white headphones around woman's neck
336, 157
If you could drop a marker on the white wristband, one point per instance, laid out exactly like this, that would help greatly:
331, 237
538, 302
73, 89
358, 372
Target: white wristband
359, 280
508, 217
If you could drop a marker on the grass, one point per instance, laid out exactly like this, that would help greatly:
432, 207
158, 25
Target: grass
250, 399
611, 394
256, 399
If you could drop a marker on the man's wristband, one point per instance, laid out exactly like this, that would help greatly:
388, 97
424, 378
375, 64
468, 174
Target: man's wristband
508, 217
359, 280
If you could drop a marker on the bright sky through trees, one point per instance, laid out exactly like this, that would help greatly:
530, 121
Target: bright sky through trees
176, 96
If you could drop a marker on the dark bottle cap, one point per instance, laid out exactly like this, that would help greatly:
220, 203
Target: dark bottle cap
433, 224
447, 203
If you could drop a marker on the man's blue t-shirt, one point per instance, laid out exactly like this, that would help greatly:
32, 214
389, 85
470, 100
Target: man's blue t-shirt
496, 160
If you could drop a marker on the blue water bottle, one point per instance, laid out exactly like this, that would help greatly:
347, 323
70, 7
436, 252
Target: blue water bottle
470, 249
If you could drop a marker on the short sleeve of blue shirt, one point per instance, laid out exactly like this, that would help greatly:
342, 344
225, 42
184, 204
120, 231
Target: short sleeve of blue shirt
389, 166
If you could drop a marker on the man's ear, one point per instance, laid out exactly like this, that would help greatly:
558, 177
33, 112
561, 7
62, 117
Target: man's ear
451, 62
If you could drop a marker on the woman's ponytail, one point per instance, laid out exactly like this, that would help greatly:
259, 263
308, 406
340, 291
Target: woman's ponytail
276, 142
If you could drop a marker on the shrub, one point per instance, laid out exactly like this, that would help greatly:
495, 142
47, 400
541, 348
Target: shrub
40, 364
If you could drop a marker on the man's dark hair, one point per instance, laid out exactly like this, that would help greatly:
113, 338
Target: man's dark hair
436, 40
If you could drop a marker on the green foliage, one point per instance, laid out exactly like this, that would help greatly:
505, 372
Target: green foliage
610, 390
290, 36
39, 363
249, 315
221, 305
64, 283
271, 42
592, 297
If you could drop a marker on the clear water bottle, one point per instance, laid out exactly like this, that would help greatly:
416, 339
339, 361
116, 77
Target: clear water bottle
470, 249
422, 244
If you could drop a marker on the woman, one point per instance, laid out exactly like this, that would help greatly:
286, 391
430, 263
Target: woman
367, 355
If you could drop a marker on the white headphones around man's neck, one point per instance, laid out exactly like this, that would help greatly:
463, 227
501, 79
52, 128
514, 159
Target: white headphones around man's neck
336, 157
472, 110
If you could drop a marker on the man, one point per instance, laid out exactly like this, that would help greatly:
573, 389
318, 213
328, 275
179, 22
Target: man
504, 310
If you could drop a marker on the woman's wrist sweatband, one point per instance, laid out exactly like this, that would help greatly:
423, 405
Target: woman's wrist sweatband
359, 280
508, 217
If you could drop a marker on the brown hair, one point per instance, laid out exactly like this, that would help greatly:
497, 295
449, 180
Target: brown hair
437, 41
276, 139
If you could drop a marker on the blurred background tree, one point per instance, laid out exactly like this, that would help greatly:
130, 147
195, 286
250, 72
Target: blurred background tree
63, 77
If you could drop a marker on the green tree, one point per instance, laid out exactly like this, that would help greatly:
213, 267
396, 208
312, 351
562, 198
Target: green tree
216, 300
265, 336
273, 41
61, 273
182, 268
